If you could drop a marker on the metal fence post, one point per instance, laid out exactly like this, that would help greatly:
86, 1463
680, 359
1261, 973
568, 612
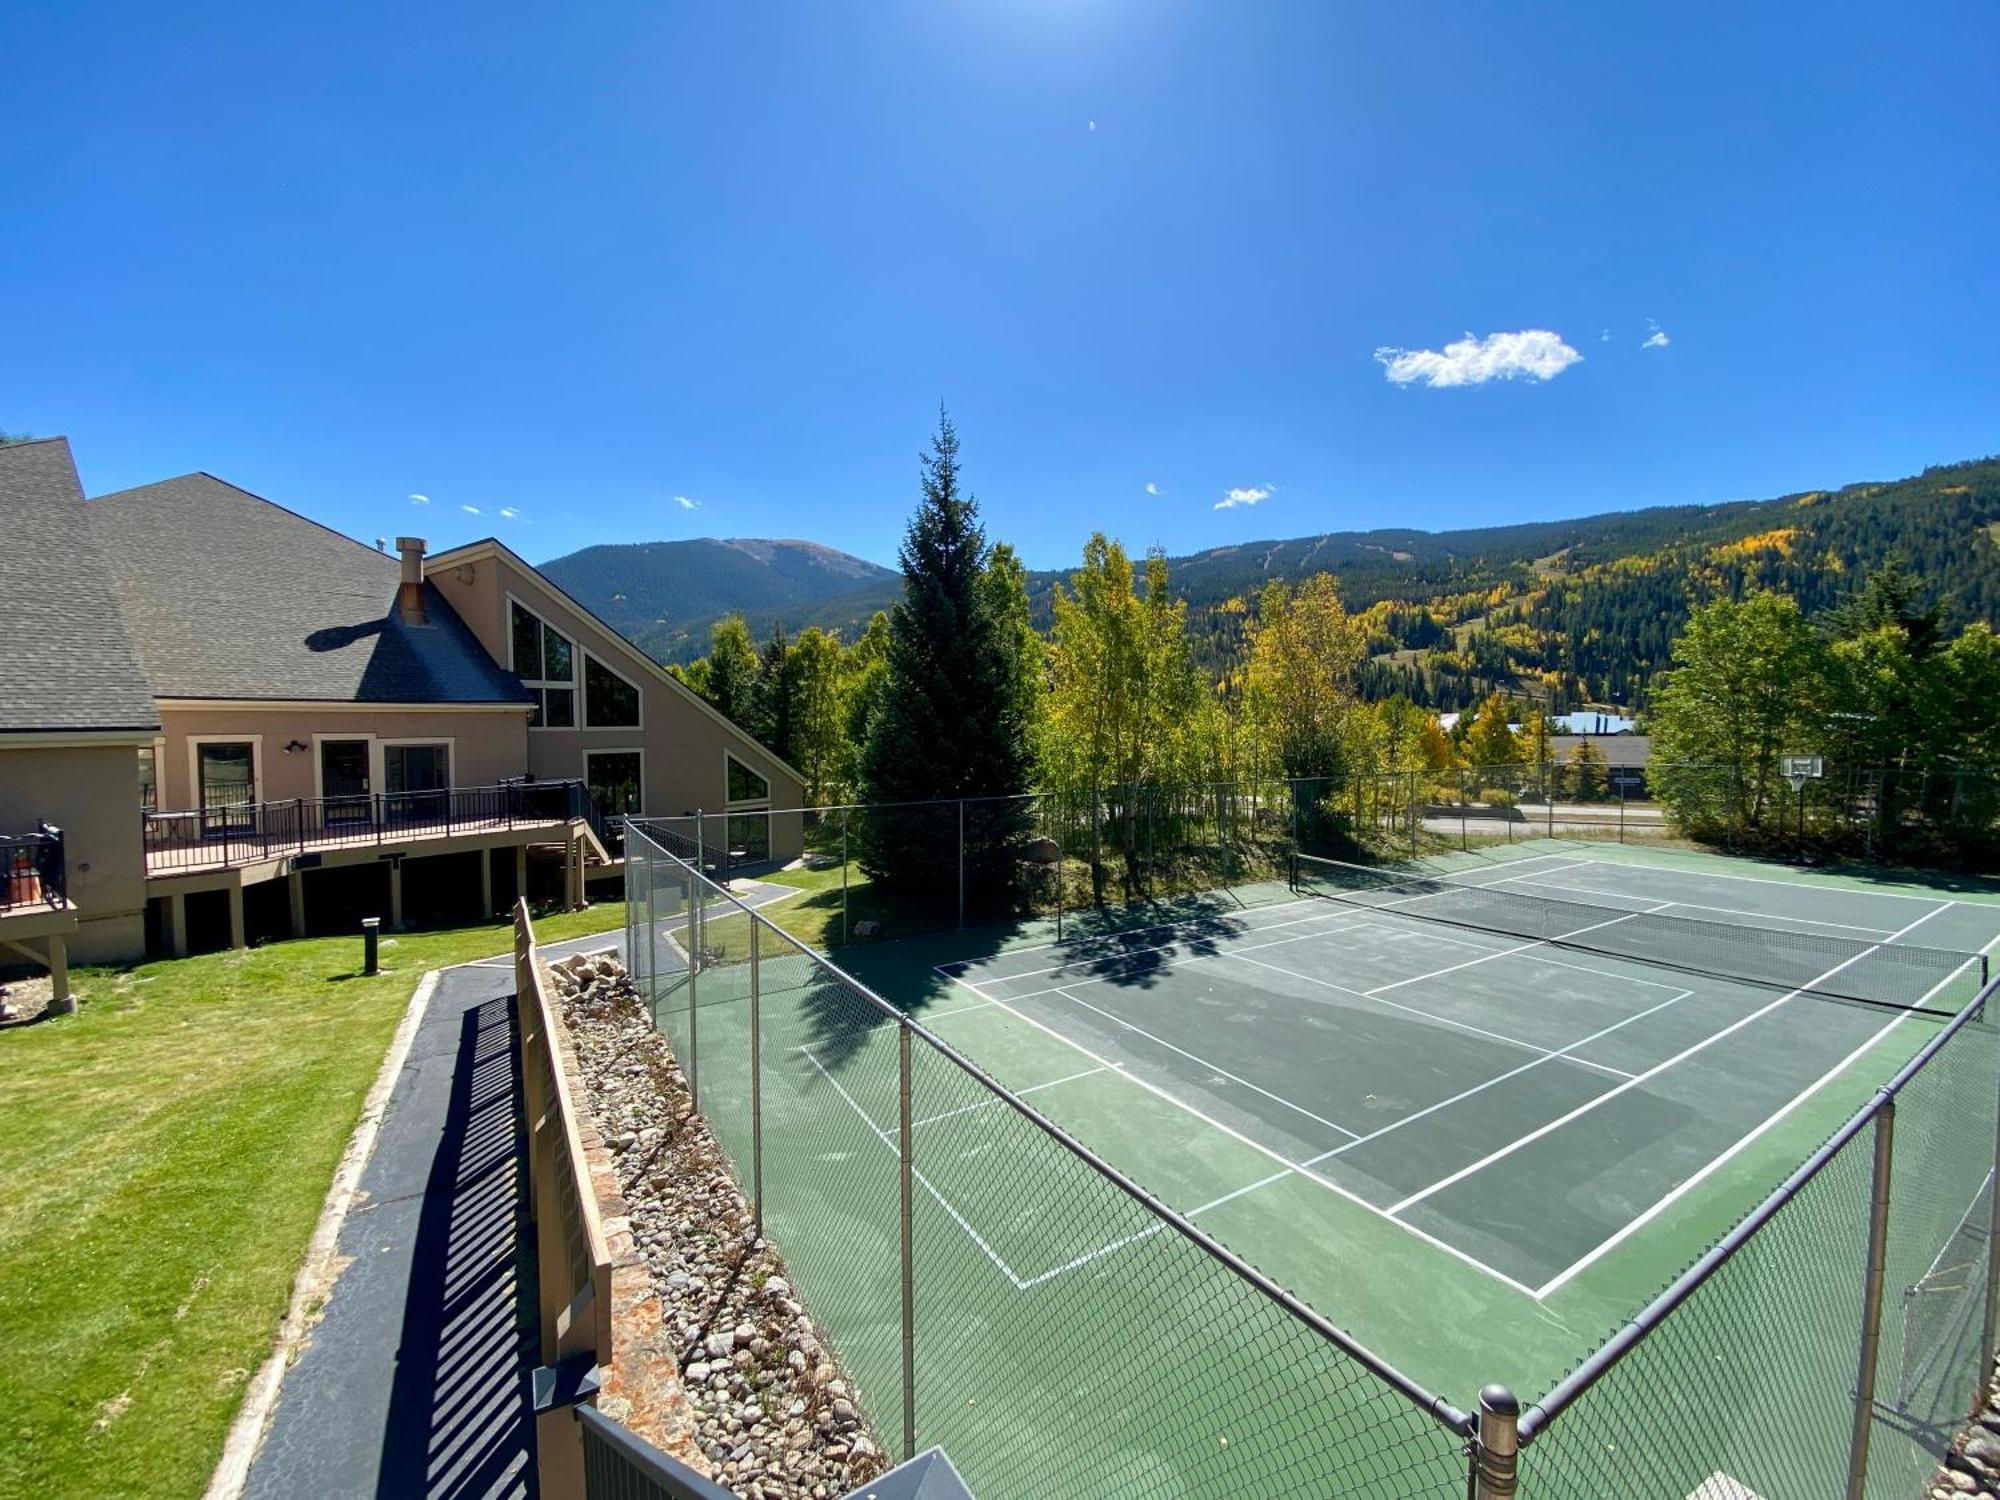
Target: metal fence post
700, 848
961, 861
694, 970
756, 1082
1621, 811
907, 1174
1871, 1307
843, 875
1497, 1447
1464, 837
1990, 1328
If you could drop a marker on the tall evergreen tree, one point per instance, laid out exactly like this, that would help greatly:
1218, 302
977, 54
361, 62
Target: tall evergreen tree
777, 696
949, 722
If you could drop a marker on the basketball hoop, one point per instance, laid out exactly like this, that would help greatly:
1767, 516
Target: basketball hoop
1799, 769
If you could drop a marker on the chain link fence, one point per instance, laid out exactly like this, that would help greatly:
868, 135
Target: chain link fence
955, 1245
1832, 1343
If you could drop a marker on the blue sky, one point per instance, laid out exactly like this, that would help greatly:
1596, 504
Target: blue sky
575, 262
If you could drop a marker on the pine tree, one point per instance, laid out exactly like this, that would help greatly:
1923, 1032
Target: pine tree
949, 722
776, 696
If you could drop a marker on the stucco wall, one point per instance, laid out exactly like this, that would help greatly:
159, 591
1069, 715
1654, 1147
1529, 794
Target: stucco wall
682, 740
92, 794
486, 744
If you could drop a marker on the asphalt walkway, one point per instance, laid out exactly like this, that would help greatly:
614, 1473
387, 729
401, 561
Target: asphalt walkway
415, 1382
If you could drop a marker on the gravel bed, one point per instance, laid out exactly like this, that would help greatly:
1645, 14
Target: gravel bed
776, 1416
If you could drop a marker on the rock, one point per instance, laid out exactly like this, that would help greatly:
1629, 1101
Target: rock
868, 929
1042, 851
777, 1289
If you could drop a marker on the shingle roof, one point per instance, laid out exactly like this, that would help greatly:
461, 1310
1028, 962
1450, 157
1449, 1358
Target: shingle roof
66, 661
230, 596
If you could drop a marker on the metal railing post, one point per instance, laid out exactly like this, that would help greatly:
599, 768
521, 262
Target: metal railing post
1871, 1306
961, 861
1496, 1448
700, 848
907, 1175
756, 1082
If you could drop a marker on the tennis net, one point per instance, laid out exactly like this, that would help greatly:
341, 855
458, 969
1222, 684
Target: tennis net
1900, 975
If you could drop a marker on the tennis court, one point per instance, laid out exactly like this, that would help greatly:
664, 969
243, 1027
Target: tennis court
1476, 1116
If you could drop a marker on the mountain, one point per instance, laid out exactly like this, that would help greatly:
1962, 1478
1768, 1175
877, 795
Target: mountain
1572, 611
663, 596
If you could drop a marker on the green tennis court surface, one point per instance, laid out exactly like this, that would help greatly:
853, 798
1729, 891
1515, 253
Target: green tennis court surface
1477, 1152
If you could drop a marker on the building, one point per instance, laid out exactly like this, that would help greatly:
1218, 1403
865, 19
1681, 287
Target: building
236, 722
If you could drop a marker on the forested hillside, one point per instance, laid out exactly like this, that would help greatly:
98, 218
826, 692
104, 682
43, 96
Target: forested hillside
1566, 611
663, 596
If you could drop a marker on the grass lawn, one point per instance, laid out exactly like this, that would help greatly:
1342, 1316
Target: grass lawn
164, 1156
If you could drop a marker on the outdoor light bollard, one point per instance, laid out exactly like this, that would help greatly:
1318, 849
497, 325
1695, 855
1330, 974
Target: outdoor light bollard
371, 932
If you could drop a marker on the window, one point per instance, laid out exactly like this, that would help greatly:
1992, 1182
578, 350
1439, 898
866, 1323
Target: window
613, 777
149, 781
609, 701
545, 662
745, 785
416, 768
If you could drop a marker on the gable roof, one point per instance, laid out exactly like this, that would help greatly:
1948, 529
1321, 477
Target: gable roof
492, 546
228, 595
66, 660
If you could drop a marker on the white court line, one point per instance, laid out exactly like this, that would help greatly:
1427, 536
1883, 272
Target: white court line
1733, 911
1262, 1150
1353, 1135
1313, 1161
1563, 1277
1105, 937
1793, 885
1511, 1073
1505, 952
1035, 1088
1658, 1068
895, 1151
1081, 961
1428, 1015
1149, 1231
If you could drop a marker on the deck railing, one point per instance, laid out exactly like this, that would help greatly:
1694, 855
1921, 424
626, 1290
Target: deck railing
31, 869
246, 832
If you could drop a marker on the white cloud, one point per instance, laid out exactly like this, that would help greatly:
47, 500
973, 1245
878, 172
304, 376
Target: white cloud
1604, 337
1153, 489
1657, 339
1093, 127
1255, 494
420, 499
510, 513
1535, 353
470, 510
686, 504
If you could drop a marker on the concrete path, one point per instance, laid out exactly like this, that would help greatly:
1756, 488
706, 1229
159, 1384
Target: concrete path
415, 1382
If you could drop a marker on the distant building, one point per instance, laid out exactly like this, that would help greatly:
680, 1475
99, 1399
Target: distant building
1592, 722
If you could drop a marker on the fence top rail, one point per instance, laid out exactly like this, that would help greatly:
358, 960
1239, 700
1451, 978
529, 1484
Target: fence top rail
1448, 1415
597, 1247
1538, 1415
